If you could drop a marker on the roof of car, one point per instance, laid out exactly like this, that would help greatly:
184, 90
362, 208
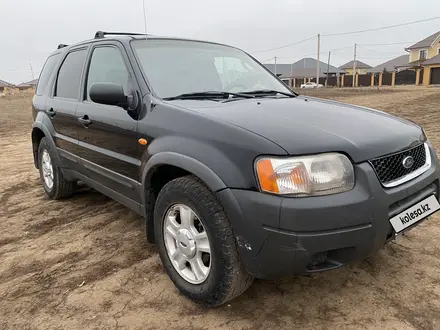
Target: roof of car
128, 37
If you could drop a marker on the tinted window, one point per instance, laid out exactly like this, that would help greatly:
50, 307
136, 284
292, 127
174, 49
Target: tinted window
107, 65
47, 71
69, 76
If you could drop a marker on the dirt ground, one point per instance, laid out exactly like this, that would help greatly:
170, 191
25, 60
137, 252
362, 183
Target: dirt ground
83, 263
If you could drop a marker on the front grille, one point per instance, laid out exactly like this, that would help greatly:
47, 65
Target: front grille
390, 168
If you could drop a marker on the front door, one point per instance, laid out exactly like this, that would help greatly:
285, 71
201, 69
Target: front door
108, 139
61, 106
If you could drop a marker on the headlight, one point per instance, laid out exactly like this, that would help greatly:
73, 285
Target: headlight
316, 175
425, 137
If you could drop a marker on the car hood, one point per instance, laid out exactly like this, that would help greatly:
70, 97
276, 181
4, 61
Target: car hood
304, 125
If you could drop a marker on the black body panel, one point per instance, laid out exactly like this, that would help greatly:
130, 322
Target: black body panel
218, 141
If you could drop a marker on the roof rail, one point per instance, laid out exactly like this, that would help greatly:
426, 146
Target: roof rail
61, 46
102, 34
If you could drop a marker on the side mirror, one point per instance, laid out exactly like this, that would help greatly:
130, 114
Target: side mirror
110, 94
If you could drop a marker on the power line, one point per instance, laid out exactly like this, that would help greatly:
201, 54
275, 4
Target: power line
337, 49
269, 59
21, 70
391, 43
381, 28
379, 58
352, 32
284, 46
376, 51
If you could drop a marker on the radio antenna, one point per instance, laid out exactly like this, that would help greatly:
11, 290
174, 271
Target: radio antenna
145, 19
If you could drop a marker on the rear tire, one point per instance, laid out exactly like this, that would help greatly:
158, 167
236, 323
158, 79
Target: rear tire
54, 183
226, 277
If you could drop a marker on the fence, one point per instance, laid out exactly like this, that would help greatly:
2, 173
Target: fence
321, 80
348, 81
364, 80
332, 81
387, 78
406, 77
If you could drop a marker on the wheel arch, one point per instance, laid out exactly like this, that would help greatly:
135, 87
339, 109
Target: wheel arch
165, 166
39, 131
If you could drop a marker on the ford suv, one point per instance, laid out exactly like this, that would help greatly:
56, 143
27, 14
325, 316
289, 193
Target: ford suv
237, 176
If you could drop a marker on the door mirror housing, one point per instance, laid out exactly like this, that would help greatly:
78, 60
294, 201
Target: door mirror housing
110, 94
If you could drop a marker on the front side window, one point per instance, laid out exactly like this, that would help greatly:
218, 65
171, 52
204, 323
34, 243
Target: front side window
107, 65
69, 75
423, 54
175, 67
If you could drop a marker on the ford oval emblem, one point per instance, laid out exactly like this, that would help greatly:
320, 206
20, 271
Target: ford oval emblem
408, 162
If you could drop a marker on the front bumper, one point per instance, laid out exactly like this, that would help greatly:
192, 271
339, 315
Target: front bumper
280, 236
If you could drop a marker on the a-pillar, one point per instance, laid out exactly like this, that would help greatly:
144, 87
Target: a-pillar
380, 78
393, 78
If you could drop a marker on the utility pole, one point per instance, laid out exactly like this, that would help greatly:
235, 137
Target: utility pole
328, 67
275, 65
317, 63
354, 65
32, 70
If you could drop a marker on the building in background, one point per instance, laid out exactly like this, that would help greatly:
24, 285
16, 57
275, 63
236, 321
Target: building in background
5, 86
401, 72
424, 57
304, 70
361, 67
396, 64
29, 85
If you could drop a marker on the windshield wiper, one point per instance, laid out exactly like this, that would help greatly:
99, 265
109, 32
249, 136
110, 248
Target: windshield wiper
269, 92
208, 95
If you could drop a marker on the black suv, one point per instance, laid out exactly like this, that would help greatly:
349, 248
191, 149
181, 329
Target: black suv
236, 175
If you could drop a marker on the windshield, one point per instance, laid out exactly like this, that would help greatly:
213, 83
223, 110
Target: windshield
175, 67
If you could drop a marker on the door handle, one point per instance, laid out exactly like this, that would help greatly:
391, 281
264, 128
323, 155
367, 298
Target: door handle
51, 112
84, 120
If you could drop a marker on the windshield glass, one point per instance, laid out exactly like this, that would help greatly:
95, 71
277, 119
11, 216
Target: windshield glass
175, 67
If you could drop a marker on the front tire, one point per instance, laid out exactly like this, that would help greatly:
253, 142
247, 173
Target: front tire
54, 183
196, 243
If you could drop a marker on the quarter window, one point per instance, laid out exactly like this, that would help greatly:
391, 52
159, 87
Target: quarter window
47, 71
69, 76
107, 65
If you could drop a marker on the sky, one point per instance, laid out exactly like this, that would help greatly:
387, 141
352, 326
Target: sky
32, 29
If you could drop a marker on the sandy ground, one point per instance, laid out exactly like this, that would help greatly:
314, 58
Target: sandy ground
83, 263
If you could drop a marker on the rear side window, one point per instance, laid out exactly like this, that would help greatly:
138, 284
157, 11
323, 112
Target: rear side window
69, 76
47, 71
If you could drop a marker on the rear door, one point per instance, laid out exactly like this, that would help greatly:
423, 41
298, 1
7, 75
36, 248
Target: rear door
109, 144
61, 105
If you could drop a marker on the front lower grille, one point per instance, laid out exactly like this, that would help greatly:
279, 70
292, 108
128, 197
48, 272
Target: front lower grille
390, 168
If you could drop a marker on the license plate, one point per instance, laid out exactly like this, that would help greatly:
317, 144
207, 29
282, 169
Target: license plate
415, 213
